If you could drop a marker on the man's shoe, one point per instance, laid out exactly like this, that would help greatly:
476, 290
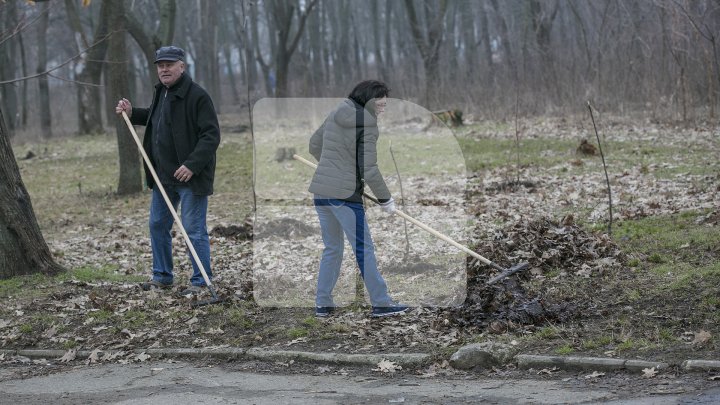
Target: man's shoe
191, 291
324, 312
379, 312
154, 285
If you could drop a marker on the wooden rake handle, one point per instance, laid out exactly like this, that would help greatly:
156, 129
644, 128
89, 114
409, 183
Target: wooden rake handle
167, 200
419, 224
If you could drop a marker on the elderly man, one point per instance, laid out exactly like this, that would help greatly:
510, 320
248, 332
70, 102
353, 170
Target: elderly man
181, 138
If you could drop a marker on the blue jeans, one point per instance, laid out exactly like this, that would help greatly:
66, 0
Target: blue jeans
193, 216
338, 217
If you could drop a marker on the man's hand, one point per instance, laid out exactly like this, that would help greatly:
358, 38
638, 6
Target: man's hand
123, 105
388, 206
183, 174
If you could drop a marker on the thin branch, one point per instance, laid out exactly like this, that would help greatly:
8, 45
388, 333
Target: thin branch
47, 72
75, 81
20, 27
517, 136
249, 102
402, 204
607, 179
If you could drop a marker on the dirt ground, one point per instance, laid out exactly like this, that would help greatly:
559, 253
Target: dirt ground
584, 292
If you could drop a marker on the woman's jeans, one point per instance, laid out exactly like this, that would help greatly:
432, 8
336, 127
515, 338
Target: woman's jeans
338, 217
193, 216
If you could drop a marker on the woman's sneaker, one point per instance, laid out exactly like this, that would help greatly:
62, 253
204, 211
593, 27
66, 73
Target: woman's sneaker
397, 309
323, 312
154, 285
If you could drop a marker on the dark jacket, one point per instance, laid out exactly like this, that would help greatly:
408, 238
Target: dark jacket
346, 149
195, 131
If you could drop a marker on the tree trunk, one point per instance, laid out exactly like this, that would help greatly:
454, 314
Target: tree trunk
8, 56
381, 71
89, 113
130, 177
428, 38
507, 50
208, 52
22, 247
45, 115
282, 13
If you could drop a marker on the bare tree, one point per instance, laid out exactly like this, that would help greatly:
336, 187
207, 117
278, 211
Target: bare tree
44, 89
8, 55
89, 96
130, 178
428, 37
282, 13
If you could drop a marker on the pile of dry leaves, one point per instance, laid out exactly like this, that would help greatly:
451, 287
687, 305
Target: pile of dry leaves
552, 249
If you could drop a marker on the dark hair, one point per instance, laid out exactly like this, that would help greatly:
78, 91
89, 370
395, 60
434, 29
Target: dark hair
368, 90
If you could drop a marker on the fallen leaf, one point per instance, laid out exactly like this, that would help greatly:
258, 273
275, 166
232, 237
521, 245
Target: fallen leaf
387, 366
649, 372
50, 332
69, 356
322, 369
94, 356
594, 374
701, 338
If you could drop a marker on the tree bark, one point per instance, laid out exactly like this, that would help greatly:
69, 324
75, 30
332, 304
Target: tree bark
130, 177
207, 64
8, 56
428, 38
89, 115
22, 247
282, 12
45, 114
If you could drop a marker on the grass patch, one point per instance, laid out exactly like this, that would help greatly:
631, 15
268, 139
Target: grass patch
21, 285
547, 332
297, 332
633, 344
596, 343
564, 350
311, 321
135, 318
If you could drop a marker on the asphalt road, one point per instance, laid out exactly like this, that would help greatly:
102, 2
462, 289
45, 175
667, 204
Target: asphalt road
180, 383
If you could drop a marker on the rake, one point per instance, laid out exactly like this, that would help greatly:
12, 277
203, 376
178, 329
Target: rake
504, 272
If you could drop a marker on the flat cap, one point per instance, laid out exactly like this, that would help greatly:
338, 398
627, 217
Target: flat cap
169, 53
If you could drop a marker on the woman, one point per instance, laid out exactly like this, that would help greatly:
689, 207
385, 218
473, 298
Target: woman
346, 149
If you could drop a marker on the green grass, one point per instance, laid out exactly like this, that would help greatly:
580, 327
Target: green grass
135, 318
633, 344
295, 333
564, 350
597, 343
547, 332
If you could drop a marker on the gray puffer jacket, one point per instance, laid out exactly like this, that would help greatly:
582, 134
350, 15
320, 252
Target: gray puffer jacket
346, 149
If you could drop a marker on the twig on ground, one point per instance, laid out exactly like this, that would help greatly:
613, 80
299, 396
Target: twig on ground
402, 204
607, 179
